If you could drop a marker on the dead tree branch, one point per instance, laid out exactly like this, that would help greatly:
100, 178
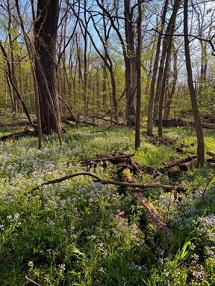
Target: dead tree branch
113, 182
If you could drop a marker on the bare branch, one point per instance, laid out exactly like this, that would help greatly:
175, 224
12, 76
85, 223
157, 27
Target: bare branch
209, 41
113, 182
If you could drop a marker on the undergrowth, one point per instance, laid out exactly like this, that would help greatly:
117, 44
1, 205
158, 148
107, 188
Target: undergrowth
72, 233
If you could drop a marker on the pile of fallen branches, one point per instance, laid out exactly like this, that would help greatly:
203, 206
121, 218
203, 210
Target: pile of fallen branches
126, 160
126, 165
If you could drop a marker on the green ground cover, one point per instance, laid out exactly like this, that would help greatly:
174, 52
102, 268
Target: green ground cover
70, 233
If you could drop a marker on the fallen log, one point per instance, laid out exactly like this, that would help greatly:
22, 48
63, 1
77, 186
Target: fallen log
17, 123
208, 125
68, 122
154, 139
152, 214
149, 210
78, 121
205, 125
178, 163
179, 122
18, 134
104, 119
174, 122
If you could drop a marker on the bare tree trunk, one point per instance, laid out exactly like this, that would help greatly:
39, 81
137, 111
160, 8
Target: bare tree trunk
85, 57
11, 29
62, 71
104, 69
165, 58
196, 114
15, 96
155, 71
138, 64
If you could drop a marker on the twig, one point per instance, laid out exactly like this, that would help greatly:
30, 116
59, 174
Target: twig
32, 281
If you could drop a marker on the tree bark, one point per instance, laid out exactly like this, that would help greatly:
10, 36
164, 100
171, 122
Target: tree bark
45, 62
172, 85
130, 64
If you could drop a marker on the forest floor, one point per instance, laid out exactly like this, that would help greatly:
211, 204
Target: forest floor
64, 219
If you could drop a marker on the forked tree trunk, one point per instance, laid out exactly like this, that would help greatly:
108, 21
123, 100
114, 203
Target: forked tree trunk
155, 71
165, 58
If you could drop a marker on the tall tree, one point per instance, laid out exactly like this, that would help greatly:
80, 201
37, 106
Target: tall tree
130, 62
155, 70
165, 63
46, 26
30, 51
194, 103
138, 64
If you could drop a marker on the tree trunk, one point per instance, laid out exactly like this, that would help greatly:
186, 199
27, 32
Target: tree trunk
194, 103
138, 64
45, 62
130, 65
154, 73
165, 58
170, 93
12, 34
85, 57
30, 50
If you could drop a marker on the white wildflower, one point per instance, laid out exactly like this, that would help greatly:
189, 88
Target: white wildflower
30, 263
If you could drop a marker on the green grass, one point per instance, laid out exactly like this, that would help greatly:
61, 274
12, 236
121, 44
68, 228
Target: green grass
70, 233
